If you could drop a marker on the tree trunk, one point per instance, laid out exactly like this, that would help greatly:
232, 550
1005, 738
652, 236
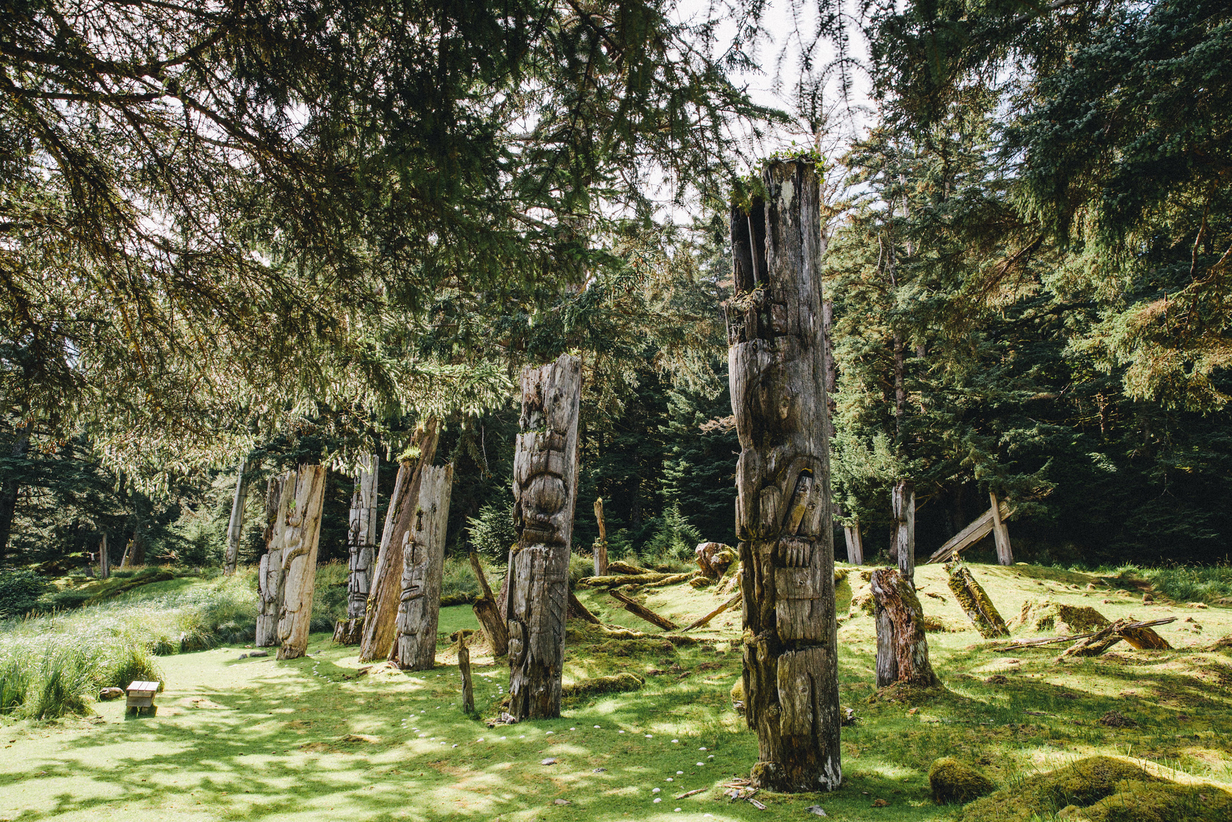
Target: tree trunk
600, 547
361, 537
855, 542
235, 528
11, 488
777, 372
300, 521
1001, 534
423, 555
487, 612
902, 536
902, 646
381, 610
545, 489
975, 603
270, 575
104, 559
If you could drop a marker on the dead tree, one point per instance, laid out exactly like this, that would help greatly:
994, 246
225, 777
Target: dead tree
777, 371
902, 645
545, 490
490, 617
423, 555
270, 574
235, 528
381, 610
600, 546
902, 533
300, 521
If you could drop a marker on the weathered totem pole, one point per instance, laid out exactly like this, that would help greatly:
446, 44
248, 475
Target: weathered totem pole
777, 374
545, 490
423, 557
381, 610
361, 546
235, 528
270, 574
299, 517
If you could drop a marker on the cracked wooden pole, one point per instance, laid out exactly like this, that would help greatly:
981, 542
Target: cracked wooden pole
381, 610
269, 573
423, 558
600, 546
486, 611
361, 550
1000, 534
545, 489
299, 516
777, 372
235, 528
902, 533
854, 540
902, 645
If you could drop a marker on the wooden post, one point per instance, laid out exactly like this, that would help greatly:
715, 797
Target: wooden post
300, 519
902, 645
104, 559
270, 574
381, 610
464, 667
902, 545
423, 558
487, 612
600, 547
235, 528
1000, 534
545, 490
777, 371
361, 537
127, 550
854, 541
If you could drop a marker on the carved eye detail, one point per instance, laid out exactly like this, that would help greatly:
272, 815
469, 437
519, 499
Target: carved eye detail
547, 493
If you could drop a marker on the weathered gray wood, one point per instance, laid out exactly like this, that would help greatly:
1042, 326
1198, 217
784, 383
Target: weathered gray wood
1001, 534
600, 547
270, 573
127, 551
580, 611
902, 533
777, 375
545, 490
300, 520
362, 536
970, 535
855, 542
423, 557
486, 611
235, 527
381, 610
464, 668
902, 645
641, 611
104, 559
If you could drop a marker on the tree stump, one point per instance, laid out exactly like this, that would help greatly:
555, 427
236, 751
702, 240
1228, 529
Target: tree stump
777, 371
381, 610
902, 647
270, 574
487, 612
545, 490
423, 555
975, 603
361, 537
300, 519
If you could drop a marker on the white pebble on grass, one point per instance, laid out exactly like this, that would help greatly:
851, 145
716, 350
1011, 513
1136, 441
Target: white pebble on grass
702, 748
658, 799
656, 790
678, 810
596, 726
669, 779
620, 732
678, 773
675, 740
648, 736
701, 764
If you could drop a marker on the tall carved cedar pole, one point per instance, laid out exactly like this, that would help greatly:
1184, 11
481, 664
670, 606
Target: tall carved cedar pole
777, 373
381, 610
362, 536
545, 490
300, 520
423, 555
270, 575
235, 528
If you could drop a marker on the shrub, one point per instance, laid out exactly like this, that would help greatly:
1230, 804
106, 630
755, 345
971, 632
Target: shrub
19, 591
492, 532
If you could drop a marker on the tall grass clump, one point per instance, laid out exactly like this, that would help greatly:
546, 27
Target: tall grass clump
1191, 583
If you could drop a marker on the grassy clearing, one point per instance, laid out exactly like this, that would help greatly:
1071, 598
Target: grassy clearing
322, 738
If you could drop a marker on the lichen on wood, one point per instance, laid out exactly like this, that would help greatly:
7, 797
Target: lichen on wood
423, 557
975, 602
902, 645
299, 517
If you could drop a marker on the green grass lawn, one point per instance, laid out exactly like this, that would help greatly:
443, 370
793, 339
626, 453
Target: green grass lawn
323, 738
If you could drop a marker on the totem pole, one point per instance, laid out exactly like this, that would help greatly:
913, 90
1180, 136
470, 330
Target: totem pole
423, 557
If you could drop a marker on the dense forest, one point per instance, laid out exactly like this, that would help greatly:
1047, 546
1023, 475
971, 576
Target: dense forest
268, 235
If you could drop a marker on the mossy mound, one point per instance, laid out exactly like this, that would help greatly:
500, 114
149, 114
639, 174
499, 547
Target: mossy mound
952, 782
614, 684
1045, 615
1101, 789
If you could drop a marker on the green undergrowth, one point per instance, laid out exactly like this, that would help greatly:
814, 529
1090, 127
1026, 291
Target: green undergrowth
329, 738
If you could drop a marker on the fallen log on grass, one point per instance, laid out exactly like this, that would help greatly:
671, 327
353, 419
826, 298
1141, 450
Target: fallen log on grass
1137, 634
975, 603
643, 579
704, 621
577, 609
1122, 628
639, 610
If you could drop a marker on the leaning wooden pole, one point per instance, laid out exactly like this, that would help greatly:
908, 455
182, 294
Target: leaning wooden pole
1000, 534
235, 528
545, 489
300, 518
381, 610
777, 372
423, 559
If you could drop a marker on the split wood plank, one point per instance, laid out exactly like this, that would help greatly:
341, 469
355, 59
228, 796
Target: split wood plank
981, 527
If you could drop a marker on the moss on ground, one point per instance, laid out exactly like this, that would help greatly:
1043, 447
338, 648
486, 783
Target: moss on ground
952, 782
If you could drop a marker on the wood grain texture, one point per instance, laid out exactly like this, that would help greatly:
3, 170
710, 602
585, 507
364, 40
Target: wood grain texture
777, 378
902, 646
270, 574
423, 558
299, 516
362, 537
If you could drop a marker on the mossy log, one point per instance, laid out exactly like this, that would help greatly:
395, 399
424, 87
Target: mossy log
648, 578
620, 567
348, 631
902, 646
614, 684
1143, 638
579, 611
976, 603
639, 610
952, 782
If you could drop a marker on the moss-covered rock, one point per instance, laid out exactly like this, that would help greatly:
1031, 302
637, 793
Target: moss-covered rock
1045, 615
953, 782
616, 683
1101, 789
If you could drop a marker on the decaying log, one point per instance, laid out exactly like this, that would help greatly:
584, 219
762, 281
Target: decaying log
270, 573
619, 567
1095, 644
423, 559
300, 520
902, 647
713, 558
653, 578
1143, 638
674, 579
776, 369
545, 491
706, 620
973, 533
381, 610
349, 631
362, 537
577, 609
1001, 534
1056, 640
1137, 634
639, 610
600, 546
235, 527
975, 603
487, 612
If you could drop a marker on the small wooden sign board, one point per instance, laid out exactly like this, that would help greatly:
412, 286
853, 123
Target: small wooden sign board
141, 698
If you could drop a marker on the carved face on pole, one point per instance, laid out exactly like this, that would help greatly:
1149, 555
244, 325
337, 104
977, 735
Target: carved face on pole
414, 578
541, 515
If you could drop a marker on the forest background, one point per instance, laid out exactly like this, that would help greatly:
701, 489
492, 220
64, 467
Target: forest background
288, 233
